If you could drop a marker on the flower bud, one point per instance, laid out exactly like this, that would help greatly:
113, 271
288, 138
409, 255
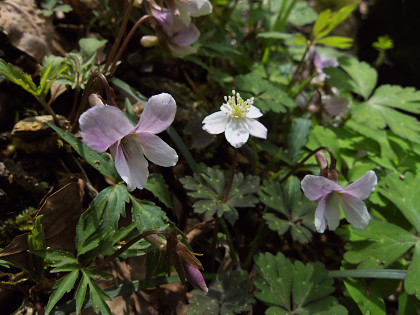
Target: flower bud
195, 277
321, 159
95, 99
149, 41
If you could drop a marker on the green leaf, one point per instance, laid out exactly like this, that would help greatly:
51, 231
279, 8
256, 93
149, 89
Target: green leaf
102, 216
412, 281
267, 95
302, 14
17, 76
100, 161
294, 288
209, 186
89, 46
296, 211
64, 285
96, 294
407, 304
336, 42
81, 294
367, 298
52, 67
327, 21
384, 244
297, 138
147, 215
156, 184
228, 294
62, 261
354, 76
403, 192
379, 111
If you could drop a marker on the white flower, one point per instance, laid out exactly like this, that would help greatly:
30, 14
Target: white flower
236, 119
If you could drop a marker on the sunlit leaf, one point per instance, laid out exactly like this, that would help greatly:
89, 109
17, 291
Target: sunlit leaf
327, 21
368, 299
147, 215
17, 76
412, 281
156, 184
297, 138
336, 42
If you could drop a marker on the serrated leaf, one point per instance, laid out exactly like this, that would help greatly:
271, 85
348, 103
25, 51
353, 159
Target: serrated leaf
412, 281
52, 67
228, 294
100, 161
102, 215
61, 260
147, 215
354, 76
64, 285
385, 243
97, 295
156, 184
297, 138
368, 299
17, 76
209, 185
297, 212
403, 192
294, 288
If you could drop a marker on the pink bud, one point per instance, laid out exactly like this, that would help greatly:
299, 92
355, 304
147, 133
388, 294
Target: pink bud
321, 159
195, 277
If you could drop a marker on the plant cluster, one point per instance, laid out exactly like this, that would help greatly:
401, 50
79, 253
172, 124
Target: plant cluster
308, 207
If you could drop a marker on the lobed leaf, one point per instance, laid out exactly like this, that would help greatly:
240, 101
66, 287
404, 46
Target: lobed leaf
294, 288
64, 285
147, 215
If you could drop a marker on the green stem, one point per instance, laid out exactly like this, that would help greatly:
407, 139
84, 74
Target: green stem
369, 273
294, 168
301, 63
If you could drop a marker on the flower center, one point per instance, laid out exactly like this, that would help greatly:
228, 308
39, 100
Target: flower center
237, 107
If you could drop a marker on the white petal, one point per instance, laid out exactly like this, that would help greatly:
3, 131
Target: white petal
254, 112
157, 150
256, 128
319, 216
158, 114
363, 187
332, 211
216, 122
237, 132
130, 162
103, 125
316, 187
355, 210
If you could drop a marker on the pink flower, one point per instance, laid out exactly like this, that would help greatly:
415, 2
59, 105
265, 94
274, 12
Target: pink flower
177, 35
106, 127
331, 197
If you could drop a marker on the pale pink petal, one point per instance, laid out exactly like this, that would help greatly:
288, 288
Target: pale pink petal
256, 128
157, 150
237, 132
319, 216
363, 187
316, 187
158, 114
130, 162
254, 112
196, 7
332, 211
103, 125
216, 122
181, 52
187, 36
355, 210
